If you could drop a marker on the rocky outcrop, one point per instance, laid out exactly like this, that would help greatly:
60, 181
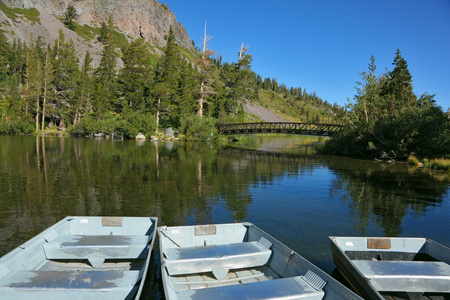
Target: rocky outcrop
136, 18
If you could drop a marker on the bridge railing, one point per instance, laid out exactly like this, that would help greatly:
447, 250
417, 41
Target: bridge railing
280, 127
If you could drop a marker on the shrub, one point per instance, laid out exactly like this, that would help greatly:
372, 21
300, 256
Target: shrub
196, 128
134, 122
412, 160
440, 164
23, 125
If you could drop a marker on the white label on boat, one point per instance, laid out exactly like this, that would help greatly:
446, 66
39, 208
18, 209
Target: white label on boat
175, 231
84, 221
349, 244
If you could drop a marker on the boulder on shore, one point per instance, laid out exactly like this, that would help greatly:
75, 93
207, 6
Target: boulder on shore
140, 137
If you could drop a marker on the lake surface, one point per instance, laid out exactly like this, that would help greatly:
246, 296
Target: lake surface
277, 183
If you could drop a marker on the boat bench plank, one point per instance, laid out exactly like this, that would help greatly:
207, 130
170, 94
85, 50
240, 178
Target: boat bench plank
213, 258
286, 288
97, 246
409, 276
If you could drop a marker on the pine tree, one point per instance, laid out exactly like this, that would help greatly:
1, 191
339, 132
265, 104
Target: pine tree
367, 105
84, 89
239, 81
47, 84
5, 49
65, 70
398, 90
167, 79
33, 83
136, 75
188, 91
69, 16
105, 77
103, 33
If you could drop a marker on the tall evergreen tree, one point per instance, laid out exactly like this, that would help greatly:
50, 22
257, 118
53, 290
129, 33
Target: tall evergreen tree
65, 70
189, 90
47, 84
136, 76
84, 89
168, 76
104, 32
239, 81
398, 90
104, 98
367, 100
33, 83
5, 49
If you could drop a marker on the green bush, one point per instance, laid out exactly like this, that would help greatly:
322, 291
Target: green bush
412, 160
90, 125
200, 129
134, 122
440, 164
128, 124
23, 125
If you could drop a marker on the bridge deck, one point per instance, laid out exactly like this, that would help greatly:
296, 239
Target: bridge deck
280, 127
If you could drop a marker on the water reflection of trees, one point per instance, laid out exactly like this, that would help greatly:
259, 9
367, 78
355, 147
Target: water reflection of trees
42, 180
45, 179
384, 193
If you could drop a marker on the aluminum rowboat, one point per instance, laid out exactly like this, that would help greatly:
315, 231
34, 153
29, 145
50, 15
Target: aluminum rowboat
238, 261
393, 268
81, 258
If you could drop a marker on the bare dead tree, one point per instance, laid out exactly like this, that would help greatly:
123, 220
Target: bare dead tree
204, 65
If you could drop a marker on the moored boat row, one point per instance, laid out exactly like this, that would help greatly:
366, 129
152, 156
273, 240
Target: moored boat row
108, 258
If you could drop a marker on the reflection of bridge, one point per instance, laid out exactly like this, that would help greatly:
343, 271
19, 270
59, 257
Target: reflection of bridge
280, 127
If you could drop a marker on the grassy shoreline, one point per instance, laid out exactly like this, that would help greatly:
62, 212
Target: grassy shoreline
442, 164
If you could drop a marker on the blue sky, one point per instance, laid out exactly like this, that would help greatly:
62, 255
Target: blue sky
323, 45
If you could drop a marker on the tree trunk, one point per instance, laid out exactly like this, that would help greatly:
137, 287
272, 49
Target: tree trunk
200, 101
37, 113
43, 107
157, 114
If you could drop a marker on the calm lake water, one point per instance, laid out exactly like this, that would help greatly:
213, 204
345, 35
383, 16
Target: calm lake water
278, 184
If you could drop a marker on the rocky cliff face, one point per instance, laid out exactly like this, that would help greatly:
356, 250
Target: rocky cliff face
146, 18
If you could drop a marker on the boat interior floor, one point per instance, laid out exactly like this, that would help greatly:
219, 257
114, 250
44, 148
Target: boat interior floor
260, 282
208, 280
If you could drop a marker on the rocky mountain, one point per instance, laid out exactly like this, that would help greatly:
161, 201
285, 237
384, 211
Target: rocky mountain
149, 19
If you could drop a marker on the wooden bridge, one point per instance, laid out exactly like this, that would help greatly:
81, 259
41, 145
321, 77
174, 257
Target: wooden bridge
280, 127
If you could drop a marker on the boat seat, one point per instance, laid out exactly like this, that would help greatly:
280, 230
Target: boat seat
408, 276
218, 259
97, 248
292, 288
22, 284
